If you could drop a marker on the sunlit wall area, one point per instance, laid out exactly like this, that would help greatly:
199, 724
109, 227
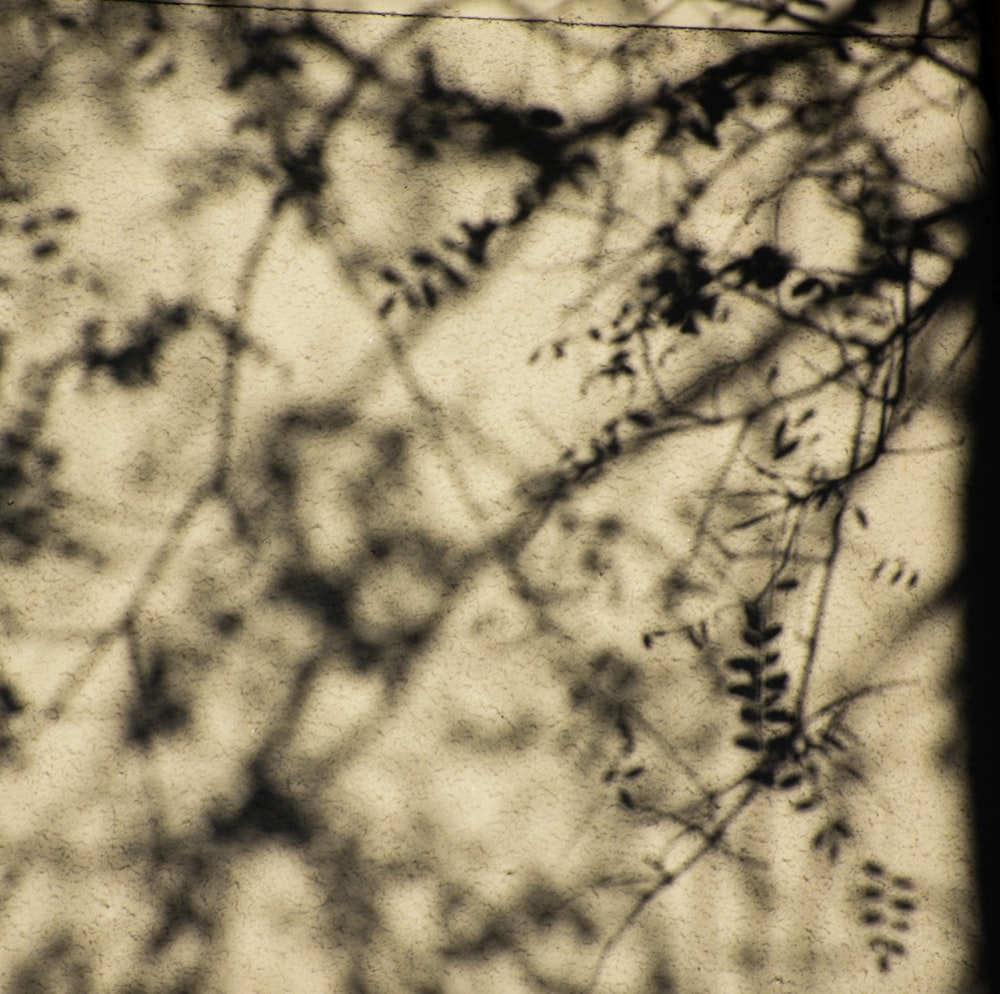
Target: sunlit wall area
483, 497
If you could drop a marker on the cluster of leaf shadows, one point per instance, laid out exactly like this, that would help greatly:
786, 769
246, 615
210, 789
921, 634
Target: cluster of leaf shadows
792, 745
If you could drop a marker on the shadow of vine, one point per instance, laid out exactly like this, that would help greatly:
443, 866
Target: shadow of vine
478, 499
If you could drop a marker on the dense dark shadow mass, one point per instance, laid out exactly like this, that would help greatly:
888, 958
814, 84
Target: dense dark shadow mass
481, 499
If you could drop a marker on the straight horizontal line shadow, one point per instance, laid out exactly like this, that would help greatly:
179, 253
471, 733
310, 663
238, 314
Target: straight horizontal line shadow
817, 31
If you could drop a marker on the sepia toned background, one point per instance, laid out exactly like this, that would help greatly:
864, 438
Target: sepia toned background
483, 497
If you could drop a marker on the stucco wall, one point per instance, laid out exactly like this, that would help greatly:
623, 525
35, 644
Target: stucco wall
483, 497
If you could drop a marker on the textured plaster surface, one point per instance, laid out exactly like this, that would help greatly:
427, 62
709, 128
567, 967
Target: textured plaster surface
482, 498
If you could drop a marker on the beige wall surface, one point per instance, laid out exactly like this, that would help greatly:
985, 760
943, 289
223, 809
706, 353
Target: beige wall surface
482, 497
797, 16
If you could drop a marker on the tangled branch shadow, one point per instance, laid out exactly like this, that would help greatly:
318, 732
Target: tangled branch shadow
454, 630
